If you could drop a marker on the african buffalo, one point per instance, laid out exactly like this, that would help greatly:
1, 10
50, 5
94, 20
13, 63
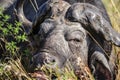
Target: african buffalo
71, 31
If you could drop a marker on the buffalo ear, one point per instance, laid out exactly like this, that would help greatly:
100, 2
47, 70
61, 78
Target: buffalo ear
92, 18
100, 66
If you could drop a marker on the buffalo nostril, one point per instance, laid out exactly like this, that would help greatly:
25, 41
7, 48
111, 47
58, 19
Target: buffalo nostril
50, 61
53, 60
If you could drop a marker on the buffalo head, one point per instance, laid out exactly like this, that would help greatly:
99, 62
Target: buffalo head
62, 33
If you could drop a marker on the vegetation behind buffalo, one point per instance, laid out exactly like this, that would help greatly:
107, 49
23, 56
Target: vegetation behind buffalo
113, 9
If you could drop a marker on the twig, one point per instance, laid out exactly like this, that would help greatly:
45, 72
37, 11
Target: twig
115, 8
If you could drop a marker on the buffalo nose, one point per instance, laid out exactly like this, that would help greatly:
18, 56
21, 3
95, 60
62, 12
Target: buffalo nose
43, 58
49, 60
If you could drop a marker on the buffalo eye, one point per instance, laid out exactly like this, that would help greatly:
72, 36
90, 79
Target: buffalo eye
75, 37
75, 40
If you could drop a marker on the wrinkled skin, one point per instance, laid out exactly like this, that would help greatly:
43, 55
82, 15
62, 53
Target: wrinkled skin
61, 33
62, 48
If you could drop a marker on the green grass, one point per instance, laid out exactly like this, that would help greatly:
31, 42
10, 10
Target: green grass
11, 38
